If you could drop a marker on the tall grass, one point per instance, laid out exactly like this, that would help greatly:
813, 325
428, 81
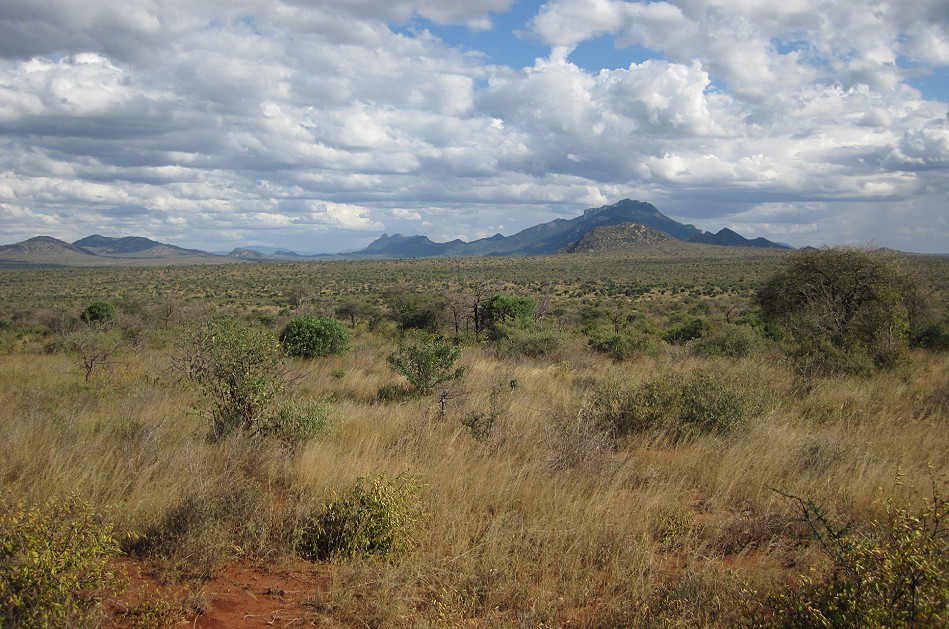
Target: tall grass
544, 520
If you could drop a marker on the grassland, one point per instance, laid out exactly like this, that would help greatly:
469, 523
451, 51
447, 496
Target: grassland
527, 510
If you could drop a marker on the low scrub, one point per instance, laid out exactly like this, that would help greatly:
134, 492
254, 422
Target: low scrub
889, 573
296, 421
731, 341
54, 561
681, 405
525, 338
624, 344
373, 519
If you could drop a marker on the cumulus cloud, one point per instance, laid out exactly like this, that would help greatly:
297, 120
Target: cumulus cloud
321, 124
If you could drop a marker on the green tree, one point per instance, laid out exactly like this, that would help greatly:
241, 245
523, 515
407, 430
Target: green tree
426, 361
841, 309
98, 313
414, 310
505, 308
309, 336
238, 368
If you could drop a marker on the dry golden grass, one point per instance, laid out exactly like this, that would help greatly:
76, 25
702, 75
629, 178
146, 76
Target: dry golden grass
540, 520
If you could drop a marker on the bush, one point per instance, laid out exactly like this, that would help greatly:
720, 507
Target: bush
238, 368
844, 300
426, 361
505, 308
314, 337
892, 573
680, 405
931, 336
373, 519
98, 313
733, 341
295, 422
685, 330
625, 344
522, 338
54, 559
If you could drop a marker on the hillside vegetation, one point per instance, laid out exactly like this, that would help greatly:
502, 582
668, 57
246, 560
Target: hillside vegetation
584, 440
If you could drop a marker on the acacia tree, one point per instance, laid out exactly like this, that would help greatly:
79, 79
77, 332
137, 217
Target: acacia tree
841, 309
426, 361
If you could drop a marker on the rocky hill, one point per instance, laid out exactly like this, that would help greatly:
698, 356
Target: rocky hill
613, 238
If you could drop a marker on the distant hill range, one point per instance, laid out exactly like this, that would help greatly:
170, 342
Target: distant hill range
562, 235
621, 226
729, 238
135, 247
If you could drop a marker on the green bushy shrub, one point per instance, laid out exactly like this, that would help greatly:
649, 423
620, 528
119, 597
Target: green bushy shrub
98, 313
238, 368
426, 361
522, 338
373, 519
308, 336
624, 344
931, 336
686, 329
733, 341
832, 303
54, 560
681, 405
505, 308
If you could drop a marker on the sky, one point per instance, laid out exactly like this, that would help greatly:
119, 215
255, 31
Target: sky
318, 125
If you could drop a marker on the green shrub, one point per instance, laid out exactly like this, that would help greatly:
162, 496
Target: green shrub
54, 560
679, 405
524, 338
98, 313
373, 519
505, 308
733, 341
624, 344
296, 421
238, 368
845, 300
314, 337
426, 361
685, 330
889, 573
931, 336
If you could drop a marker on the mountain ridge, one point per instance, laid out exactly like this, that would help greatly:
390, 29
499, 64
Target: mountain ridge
547, 238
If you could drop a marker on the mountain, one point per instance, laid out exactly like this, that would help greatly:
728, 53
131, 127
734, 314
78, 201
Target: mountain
399, 246
45, 251
730, 238
622, 237
543, 239
135, 247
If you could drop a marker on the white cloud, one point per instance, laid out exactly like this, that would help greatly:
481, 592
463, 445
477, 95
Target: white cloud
307, 120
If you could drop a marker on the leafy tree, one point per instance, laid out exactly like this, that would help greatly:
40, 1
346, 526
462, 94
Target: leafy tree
238, 368
309, 336
415, 310
98, 313
505, 308
426, 361
840, 309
